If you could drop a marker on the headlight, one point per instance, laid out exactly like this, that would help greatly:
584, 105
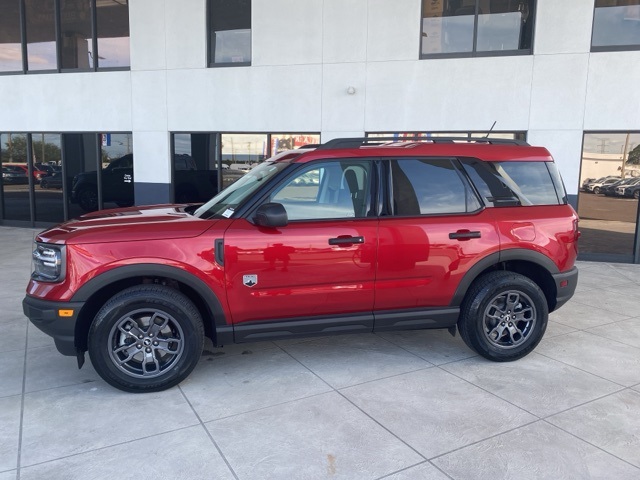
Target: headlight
48, 263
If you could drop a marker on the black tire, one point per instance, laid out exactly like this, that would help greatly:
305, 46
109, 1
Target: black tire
504, 316
165, 346
88, 199
636, 194
596, 190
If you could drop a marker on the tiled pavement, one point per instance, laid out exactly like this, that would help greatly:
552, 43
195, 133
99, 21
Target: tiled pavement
409, 405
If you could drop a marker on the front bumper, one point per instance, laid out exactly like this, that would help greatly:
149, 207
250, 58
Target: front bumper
45, 315
566, 283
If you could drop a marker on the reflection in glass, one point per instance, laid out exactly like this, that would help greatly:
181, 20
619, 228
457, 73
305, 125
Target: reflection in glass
75, 23
113, 33
462, 135
117, 170
291, 141
607, 203
41, 35
47, 169
616, 23
501, 25
15, 177
447, 34
10, 42
195, 176
230, 24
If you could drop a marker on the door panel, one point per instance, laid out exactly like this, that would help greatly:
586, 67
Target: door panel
419, 265
294, 271
322, 263
437, 230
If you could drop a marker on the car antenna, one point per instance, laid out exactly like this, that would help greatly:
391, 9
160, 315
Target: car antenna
491, 129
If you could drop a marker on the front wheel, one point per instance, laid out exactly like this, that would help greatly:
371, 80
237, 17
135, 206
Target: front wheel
146, 338
636, 194
504, 316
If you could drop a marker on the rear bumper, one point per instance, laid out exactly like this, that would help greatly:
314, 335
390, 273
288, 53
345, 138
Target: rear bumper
44, 314
566, 283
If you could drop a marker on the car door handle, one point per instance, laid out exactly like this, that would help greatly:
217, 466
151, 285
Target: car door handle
464, 235
345, 240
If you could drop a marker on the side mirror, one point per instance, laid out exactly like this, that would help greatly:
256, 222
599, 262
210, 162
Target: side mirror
271, 215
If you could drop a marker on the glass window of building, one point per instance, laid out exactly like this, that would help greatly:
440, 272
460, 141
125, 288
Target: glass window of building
197, 158
112, 33
609, 192
76, 38
477, 27
47, 172
399, 136
67, 35
10, 40
616, 25
229, 32
41, 35
15, 177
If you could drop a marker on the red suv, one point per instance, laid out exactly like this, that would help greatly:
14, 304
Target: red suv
355, 235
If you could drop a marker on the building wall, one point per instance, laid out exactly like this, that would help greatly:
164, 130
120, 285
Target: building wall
305, 55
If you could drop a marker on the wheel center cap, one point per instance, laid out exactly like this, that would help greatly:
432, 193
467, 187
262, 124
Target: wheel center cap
147, 342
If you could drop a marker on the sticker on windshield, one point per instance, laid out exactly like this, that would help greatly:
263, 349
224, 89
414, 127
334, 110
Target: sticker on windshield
228, 212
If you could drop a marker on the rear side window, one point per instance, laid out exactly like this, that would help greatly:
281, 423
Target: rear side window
430, 187
516, 183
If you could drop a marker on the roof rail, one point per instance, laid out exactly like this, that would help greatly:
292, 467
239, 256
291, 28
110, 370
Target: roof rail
358, 142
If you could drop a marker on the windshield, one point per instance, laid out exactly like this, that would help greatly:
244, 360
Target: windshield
224, 204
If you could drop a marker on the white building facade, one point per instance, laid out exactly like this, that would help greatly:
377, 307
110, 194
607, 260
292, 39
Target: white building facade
337, 68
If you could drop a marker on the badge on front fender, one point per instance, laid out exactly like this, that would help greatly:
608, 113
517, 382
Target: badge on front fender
250, 280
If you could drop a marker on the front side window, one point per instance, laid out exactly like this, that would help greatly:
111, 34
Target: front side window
616, 25
327, 190
470, 27
429, 187
229, 32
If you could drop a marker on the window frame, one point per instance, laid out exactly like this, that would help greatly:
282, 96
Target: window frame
609, 48
58, 47
210, 51
474, 53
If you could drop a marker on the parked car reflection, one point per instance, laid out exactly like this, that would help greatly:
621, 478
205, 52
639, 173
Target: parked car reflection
14, 175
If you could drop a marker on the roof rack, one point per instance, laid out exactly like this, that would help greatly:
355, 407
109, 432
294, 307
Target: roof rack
358, 142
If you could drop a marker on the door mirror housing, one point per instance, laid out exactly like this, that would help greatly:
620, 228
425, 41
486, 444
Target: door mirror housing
271, 215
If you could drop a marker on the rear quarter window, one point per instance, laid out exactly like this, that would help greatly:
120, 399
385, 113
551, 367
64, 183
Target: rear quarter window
516, 183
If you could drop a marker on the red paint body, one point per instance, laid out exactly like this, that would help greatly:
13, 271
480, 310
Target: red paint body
403, 263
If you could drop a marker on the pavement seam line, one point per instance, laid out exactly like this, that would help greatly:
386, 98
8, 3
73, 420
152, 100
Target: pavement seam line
24, 384
357, 407
215, 444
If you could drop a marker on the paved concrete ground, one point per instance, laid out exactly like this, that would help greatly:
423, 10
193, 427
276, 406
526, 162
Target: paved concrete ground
411, 405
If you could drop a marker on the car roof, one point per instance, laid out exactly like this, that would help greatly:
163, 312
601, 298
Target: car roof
486, 149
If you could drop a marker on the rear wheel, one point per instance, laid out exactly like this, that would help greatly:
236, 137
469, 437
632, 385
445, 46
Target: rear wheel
146, 338
636, 194
504, 316
88, 199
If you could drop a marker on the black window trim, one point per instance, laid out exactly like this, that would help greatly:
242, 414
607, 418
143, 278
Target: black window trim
474, 53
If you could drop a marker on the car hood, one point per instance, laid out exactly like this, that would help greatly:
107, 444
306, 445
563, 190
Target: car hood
128, 225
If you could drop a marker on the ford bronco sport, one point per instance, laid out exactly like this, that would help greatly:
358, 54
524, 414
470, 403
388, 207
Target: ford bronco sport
354, 235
